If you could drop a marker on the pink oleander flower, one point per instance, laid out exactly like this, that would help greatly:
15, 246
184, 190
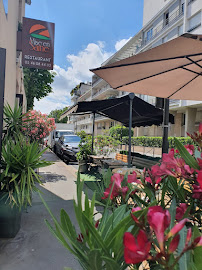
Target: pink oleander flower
197, 192
200, 128
132, 178
199, 178
180, 211
198, 241
116, 180
159, 221
174, 243
155, 174
136, 249
188, 238
190, 148
178, 227
135, 209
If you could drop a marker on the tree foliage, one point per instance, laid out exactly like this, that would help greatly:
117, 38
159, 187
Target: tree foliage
57, 113
74, 89
37, 84
118, 132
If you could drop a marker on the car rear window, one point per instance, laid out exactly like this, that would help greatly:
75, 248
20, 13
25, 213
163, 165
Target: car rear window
72, 139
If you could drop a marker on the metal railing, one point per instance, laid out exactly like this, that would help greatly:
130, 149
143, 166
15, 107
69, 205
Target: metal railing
103, 89
174, 102
166, 23
96, 81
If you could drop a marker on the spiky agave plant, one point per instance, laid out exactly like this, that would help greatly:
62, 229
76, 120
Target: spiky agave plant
18, 178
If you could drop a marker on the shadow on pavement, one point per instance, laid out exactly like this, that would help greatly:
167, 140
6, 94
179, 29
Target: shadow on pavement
34, 247
51, 177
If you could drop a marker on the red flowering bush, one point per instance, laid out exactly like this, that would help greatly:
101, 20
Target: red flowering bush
37, 126
143, 246
151, 222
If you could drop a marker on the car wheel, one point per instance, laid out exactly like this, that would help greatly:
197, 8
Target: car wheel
66, 159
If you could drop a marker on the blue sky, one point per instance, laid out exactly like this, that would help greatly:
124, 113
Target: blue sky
87, 32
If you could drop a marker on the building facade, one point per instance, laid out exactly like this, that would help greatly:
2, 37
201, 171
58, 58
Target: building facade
163, 20
11, 14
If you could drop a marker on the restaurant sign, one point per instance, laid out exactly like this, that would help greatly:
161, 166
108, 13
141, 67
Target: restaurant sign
37, 44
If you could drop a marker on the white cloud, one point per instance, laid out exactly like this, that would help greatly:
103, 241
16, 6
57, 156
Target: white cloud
77, 71
120, 43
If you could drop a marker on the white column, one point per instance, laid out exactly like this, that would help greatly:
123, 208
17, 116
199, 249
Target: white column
190, 119
185, 16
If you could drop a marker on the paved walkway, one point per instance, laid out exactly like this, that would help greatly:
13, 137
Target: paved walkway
34, 247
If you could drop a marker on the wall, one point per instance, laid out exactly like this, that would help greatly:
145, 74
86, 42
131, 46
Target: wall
8, 40
151, 8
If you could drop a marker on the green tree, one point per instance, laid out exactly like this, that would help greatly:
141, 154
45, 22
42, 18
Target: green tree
118, 132
37, 84
57, 113
74, 89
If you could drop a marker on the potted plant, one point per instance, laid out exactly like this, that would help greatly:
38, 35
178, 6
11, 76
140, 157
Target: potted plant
82, 155
18, 163
18, 179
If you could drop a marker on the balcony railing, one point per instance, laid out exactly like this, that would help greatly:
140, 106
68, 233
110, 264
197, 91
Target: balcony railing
174, 102
103, 89
96, 81
158, 30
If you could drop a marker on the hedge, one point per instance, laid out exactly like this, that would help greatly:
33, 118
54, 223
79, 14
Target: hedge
155, 141
119, 131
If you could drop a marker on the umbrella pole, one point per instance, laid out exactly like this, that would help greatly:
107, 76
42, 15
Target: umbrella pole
131, 97
165, 144
92, 146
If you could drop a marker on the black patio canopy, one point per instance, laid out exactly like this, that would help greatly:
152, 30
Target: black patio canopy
130, 110
143, 113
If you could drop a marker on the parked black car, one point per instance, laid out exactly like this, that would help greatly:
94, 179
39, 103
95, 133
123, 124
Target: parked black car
67, 147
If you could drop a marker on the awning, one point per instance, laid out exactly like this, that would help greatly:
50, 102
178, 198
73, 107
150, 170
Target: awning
143, 113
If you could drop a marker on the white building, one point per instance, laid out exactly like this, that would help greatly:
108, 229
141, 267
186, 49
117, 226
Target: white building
81, 122
11, 15
163, 20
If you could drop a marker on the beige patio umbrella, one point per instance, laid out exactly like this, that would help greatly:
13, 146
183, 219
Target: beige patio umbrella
172, 70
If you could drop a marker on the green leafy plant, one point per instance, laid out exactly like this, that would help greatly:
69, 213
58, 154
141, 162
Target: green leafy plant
151, 220
155, 141
118, 132
13, 121
20, 160
84, 147
98, 244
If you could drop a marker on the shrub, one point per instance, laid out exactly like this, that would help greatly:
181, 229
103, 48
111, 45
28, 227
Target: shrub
155, 141
117, 132
37, 126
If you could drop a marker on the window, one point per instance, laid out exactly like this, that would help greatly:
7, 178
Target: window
182, 8
149, 34
195, 21
166, 18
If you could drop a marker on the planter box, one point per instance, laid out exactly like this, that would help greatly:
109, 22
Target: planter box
10, 219
122, 157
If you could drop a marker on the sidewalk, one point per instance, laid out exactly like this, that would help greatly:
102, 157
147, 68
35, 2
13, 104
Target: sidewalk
34, 247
